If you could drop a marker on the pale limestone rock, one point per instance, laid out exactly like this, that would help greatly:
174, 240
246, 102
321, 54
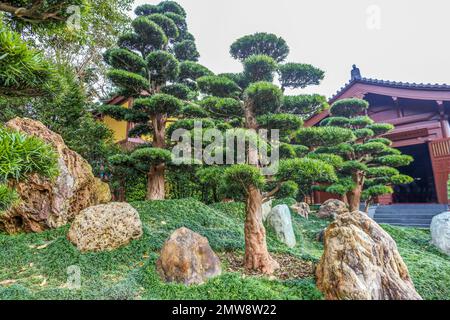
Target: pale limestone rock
361, 262
105, 227
331, 209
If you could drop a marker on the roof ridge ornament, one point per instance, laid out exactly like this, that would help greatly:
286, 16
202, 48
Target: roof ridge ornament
355, 73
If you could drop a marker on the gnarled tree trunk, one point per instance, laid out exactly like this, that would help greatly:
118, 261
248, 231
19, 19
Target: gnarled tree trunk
155, 183
354, 196
257, 256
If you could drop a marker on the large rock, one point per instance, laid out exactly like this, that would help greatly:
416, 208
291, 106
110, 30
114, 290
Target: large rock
331, 209
51, 204
440, 232
280, 221
105, 227
361, 262
187, 258
266, 208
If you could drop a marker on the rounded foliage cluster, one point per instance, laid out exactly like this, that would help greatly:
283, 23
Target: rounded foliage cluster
162, 66
259, 68
265, 97
243, 176
159, 103
260, 43
349, 107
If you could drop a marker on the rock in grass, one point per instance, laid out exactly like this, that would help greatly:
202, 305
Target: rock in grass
331, 209
440, 232
302, 208
47, 204
187, 258
266, 208
361, 262
280, 221
105, 227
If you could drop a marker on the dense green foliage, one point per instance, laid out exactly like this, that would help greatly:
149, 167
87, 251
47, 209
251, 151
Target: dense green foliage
366, 168
130, 272
20, 157
24, 71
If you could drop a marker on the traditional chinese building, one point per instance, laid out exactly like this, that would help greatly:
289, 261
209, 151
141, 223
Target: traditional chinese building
420, 114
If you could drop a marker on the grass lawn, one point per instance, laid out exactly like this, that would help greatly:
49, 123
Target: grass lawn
35, 266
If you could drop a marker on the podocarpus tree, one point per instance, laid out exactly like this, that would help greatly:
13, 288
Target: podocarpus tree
367, 169
252, 96
154, 64
24, 72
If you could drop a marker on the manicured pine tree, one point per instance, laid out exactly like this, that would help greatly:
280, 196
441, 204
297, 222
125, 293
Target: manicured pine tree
367, 169
155, 65
251, 100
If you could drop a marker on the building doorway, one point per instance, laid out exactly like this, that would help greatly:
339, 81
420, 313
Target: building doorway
422, 189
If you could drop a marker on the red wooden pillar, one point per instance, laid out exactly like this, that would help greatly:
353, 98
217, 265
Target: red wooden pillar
440, 161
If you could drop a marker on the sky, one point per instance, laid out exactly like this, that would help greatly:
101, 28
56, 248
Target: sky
398, 40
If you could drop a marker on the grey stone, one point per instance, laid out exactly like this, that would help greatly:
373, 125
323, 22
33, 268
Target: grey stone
280, 221
440, 232
266, 208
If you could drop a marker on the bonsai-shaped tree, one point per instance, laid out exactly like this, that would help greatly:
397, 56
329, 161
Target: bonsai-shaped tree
250, 100
22, 156
146, 66
367, 169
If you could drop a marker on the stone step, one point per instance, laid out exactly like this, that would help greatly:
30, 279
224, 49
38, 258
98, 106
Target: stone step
402, 214
387, 220
413, 225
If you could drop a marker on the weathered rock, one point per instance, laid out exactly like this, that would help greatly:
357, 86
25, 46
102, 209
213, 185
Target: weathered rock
280, 221
440, 232
331, 209
266, 208
186, 257
105, 227
302, 208
361, 262
51, 204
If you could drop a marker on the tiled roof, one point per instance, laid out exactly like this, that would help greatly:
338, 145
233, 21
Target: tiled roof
392, 84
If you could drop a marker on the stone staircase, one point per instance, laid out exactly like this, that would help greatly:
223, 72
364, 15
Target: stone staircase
408, 215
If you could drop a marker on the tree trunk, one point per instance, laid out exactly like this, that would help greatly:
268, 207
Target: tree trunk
257, 256
354, 196
155, 183
155, 177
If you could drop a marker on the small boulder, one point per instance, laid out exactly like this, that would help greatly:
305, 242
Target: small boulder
331, 209
280, 221
302, 208
440, 232
105, 227
186, 257
266, 208
361, 262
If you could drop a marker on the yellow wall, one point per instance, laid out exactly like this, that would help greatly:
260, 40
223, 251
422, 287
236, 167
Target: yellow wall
119, 128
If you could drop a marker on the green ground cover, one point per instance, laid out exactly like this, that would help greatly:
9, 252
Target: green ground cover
35, 266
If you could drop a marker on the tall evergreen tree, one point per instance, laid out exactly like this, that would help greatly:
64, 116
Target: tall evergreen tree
367, 166
155, 65
250, 100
